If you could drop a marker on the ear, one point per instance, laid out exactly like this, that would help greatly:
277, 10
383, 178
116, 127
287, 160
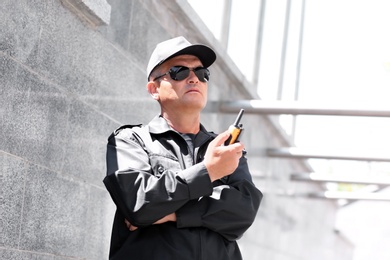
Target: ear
153, 90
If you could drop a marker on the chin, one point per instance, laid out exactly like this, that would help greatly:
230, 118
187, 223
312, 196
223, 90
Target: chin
194, 107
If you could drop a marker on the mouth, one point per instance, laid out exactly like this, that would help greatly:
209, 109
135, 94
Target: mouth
193, 91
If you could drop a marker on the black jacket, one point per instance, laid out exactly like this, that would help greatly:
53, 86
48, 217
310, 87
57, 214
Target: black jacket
151, 176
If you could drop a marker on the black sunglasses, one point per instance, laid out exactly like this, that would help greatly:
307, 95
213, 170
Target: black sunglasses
181, 72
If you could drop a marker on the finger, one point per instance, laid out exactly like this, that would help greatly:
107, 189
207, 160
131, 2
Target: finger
236, 147
128, 225
132, 228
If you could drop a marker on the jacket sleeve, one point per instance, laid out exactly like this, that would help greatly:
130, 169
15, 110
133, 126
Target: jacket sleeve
230, 210
141, 196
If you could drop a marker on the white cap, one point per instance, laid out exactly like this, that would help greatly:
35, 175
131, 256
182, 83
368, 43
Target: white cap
179, 46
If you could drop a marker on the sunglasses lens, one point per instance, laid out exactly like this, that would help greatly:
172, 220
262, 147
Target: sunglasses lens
181, 73
203, 74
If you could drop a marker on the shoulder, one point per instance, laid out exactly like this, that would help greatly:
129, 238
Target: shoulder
126, 128
133, 135
127, 132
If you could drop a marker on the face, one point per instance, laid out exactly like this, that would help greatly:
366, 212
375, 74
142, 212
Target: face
189, 94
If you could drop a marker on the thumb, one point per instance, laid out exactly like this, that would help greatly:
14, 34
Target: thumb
221, 138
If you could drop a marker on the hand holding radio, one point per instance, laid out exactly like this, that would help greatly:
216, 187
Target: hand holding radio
224, 152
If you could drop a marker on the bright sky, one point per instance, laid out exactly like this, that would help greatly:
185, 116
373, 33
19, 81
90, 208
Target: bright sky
348, 41
346, 60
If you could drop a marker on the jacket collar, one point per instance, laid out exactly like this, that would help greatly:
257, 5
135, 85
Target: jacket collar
159, 125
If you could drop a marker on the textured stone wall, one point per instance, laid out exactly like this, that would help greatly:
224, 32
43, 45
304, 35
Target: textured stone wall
66, 83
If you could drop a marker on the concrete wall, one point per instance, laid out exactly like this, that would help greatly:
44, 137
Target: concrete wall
67, 82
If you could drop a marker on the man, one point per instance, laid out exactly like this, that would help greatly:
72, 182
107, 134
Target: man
180, 193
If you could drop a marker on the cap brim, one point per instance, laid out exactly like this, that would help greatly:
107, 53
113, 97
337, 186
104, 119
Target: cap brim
205, 54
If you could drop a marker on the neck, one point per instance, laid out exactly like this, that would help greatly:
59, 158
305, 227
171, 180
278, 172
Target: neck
183, 123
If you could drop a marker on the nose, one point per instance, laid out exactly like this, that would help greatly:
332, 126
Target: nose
192, 78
